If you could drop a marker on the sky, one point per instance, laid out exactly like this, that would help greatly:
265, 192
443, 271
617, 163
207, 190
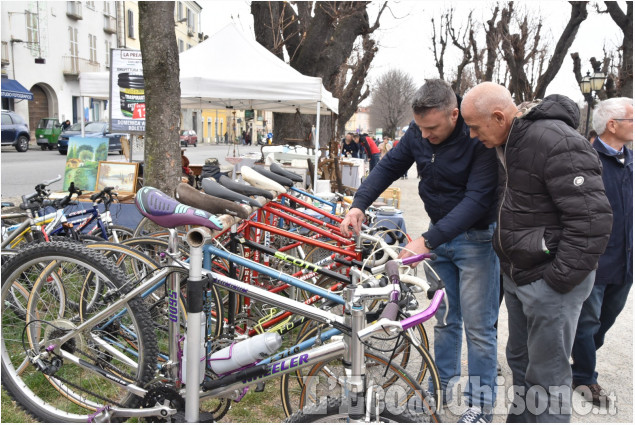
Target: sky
405, 34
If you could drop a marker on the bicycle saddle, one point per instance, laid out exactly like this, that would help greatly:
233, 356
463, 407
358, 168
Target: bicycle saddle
273, 176
170, 213
245, 189
278, 169
212, 187
256, 179
187, 195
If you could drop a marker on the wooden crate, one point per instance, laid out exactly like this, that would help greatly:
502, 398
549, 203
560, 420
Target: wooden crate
391, 196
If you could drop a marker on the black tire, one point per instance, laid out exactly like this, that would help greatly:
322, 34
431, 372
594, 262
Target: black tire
334, 410
62, 152
48, 397
23, 144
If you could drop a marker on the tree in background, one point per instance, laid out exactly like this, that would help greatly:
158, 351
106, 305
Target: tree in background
327, 39
390, 105
160, 58
515, 52
617, 64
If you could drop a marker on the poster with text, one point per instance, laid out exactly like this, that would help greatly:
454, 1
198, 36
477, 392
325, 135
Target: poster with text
82, 161
127, 92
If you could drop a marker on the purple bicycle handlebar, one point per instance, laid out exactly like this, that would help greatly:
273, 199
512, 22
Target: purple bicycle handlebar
425, 314
417, 258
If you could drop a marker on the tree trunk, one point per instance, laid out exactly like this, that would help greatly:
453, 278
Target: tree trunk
160, 56
625, 22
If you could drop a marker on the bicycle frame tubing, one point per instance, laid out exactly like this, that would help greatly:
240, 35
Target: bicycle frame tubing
16, 233
310, 195
271, 209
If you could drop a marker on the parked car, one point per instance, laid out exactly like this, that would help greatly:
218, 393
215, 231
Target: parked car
91, 129
47, 132
188, 138
15, 131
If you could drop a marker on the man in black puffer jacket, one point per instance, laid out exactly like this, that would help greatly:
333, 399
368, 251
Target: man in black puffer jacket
554, 222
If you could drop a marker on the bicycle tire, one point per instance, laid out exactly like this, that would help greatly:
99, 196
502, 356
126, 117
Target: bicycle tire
82, 390
413, 356
401, 399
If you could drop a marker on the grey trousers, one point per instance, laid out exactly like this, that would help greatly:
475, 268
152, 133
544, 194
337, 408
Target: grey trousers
542, 325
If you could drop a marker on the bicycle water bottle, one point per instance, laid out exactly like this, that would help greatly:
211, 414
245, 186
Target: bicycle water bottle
201, 353
245, 352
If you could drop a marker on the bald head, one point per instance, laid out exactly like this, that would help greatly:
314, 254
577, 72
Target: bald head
488, 109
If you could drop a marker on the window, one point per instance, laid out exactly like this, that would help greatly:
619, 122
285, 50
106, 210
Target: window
74, 43
108, 47
92, 43
108, 8
189, 46
181, 46
32, 27
190, 19
179, 9
130, 23
90, 5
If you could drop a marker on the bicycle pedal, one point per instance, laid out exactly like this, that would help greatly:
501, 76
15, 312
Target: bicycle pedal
260, 387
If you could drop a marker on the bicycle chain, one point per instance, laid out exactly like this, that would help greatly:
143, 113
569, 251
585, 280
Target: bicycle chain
117, 370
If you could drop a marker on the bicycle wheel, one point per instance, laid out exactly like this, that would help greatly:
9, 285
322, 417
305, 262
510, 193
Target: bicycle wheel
76, 379
396, 395
411, 355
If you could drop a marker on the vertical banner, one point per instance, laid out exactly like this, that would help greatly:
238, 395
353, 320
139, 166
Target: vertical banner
127, 92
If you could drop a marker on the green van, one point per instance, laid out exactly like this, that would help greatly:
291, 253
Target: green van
47, 132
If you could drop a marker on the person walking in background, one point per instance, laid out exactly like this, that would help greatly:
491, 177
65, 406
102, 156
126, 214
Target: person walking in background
350, 149
554, 222
369, 146
66, 125
613, 118
458, 188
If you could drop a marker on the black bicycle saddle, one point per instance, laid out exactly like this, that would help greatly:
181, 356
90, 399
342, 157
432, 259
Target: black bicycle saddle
212, 187
273, 176
243, 188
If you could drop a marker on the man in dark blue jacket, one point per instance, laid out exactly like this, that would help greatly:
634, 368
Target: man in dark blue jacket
613, 119
458, 188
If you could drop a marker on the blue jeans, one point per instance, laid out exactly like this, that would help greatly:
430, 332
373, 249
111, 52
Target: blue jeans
470, 270
598, 314
374, 159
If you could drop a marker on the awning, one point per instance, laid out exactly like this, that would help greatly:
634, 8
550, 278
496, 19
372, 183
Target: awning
11, 88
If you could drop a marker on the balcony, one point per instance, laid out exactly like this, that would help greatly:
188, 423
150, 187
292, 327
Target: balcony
74, 9
72, 66
110, 24
5, 53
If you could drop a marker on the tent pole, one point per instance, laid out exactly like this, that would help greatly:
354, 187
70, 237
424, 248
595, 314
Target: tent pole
317, 147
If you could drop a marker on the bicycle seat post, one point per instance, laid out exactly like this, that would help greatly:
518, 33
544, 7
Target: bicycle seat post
196, 238
355, 382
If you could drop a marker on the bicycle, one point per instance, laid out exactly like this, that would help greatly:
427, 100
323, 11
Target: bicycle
50, 355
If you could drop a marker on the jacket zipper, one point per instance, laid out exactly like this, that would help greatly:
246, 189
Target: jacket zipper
500, 209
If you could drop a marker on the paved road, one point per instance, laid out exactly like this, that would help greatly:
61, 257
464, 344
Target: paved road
22, 171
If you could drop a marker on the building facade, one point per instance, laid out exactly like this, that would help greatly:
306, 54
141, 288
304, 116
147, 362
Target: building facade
47, 44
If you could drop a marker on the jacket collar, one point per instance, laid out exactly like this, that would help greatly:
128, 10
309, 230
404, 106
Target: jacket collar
628, 154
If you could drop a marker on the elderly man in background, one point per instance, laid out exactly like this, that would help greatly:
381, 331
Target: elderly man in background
613, 119
554, 222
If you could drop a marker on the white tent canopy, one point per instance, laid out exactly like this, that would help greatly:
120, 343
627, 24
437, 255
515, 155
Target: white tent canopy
230, 70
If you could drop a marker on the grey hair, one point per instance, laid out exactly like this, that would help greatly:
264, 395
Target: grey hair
609, 109
434, 94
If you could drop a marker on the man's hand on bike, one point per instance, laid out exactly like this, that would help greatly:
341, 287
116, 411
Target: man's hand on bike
415, 247
354, 218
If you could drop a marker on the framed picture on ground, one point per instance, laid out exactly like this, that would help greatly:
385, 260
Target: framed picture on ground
120, 175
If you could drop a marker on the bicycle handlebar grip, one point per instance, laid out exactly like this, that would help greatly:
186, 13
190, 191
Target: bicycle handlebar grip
392, 270
48, 182
418, 257
390, 311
